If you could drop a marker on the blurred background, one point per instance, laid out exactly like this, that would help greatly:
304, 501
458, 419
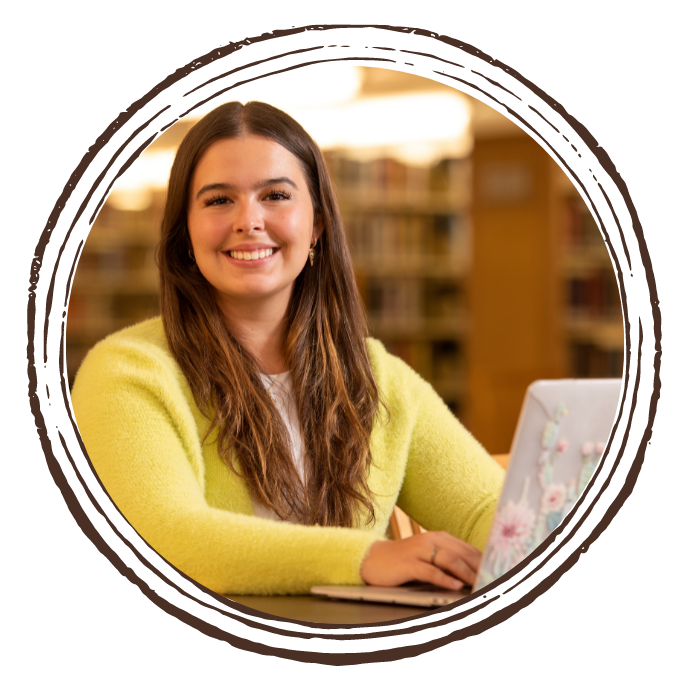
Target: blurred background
478, 262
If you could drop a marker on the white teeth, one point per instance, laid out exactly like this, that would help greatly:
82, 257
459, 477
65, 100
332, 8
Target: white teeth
252, 256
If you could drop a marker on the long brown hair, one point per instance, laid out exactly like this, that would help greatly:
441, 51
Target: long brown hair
335, 391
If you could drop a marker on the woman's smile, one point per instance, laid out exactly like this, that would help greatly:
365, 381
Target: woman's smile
252, 255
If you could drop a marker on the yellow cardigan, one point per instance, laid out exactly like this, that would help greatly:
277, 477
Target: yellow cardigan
143, 433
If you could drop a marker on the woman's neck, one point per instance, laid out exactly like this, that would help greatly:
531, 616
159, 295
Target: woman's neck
261, 329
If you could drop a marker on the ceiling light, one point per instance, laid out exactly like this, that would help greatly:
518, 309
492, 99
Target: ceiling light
386, 120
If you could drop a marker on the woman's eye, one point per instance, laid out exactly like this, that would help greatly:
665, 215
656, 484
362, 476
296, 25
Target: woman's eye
277, 194
217, 200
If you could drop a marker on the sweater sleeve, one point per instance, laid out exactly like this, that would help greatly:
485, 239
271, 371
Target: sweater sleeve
451, 483
144, 446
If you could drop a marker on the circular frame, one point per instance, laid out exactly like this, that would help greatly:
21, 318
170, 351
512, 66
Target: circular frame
213, 76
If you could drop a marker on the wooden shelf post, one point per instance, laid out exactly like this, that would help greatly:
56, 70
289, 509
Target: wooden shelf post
515, 295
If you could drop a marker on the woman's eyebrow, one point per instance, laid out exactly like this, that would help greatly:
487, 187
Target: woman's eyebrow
231, 187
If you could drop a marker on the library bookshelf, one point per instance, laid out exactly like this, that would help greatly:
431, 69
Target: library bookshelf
409, 233
593, 319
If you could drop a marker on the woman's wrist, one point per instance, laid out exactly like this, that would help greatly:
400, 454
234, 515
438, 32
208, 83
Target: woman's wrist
367, 555
373, 552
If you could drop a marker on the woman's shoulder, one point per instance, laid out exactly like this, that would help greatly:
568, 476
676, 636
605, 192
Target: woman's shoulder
145, 334
137, 352
393, 375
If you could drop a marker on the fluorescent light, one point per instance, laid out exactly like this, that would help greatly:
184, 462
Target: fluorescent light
387, 120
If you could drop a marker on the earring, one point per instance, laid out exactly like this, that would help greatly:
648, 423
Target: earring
312, 254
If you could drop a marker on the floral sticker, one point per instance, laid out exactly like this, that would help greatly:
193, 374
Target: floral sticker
510, 532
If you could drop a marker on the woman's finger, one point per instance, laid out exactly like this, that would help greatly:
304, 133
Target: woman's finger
435, 576
443, 540
438, 540
455, 565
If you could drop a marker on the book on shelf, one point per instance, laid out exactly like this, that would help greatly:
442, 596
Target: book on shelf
441, 362
591, 361
377, 175
580, 228
386, 175
129, 269
595, 296
414, 300
389, 235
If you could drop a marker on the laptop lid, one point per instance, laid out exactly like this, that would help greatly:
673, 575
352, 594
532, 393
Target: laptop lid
561, 435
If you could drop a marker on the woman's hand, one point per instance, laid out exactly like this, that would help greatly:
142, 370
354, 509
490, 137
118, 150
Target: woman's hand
435, 557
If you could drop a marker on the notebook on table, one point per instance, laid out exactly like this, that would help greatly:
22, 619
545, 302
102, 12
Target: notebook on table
560, 437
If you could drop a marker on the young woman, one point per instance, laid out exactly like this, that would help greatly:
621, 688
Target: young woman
252, 434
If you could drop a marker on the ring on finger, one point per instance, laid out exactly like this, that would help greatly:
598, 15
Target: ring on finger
433, 555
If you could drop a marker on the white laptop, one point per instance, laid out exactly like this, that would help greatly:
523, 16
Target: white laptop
561, 435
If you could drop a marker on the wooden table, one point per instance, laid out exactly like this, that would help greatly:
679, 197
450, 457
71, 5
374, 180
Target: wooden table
320, 610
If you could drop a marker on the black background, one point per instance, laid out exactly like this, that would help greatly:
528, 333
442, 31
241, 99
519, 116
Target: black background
610, 80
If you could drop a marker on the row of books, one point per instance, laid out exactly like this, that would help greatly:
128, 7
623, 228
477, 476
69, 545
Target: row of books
590, 361
391, 235
113, 259
579, 227
594, 296
387, 174
438, 361
86, 310
413, 299
98, 315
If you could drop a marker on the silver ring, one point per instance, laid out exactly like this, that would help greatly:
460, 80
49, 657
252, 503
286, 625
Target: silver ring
433, 555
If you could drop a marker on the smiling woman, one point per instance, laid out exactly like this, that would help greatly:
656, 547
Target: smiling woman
253, 434
251, 226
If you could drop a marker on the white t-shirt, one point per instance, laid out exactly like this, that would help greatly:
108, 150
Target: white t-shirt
280, 389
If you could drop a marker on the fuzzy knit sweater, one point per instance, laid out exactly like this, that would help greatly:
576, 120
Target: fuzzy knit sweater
143, 432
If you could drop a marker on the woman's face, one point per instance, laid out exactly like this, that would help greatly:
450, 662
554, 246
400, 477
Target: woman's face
251, 220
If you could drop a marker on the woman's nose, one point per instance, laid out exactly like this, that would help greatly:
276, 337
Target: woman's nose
248, 216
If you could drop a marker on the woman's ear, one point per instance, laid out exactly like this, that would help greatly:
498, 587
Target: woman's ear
318, 226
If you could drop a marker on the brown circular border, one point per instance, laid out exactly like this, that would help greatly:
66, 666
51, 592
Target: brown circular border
455, 63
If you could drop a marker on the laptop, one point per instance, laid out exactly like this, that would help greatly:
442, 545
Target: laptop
560, 437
